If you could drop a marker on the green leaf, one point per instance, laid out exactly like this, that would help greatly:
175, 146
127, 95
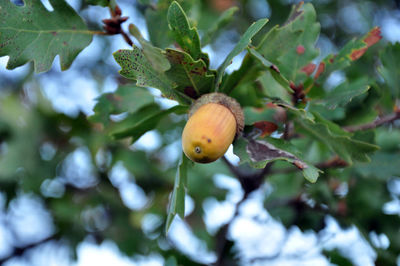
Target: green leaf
255, 54
244, 41
252, 114
247, 94
388, 139
171, 261
383, 165
186, 36
330, 114
298, 112
273, 83
352, 51
260, 152
390, 68
221, 22
247, 73
363, 108
31, 33
153, 54
136, 162
338, 140
132, 119
292, 46
127, 98
190, 76
345, 92
23, 128
311, 173
158, 31
136, 66
137, 129
177, 200
103, 3
273, 89
336, 257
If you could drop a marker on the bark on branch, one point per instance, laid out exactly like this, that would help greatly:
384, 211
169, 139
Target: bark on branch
378, 122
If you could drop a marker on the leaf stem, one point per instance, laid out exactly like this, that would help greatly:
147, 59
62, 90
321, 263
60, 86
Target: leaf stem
126, 38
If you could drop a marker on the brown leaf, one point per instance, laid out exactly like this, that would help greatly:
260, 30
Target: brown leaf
320, 69
262, 151
373, 37
295, 13
358, 53
309, 69
266, 127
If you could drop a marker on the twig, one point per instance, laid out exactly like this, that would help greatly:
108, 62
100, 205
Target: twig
380, 121
286, 132
248, 181
126, 38
335, 162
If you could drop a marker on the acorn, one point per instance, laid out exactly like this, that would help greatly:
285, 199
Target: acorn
214, 121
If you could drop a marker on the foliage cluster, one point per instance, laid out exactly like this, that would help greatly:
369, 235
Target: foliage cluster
297, 123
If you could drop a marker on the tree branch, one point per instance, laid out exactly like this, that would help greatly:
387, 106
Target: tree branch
222, 242
378, 122
234, 170
18, 251
249, 183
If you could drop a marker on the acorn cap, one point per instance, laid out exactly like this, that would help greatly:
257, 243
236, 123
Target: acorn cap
228, 102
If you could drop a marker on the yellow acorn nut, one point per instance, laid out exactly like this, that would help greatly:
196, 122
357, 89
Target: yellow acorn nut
214, 121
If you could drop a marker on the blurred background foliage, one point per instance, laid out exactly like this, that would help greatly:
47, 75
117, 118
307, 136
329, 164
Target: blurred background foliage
64, 182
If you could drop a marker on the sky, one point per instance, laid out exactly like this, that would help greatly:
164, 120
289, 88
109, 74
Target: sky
254, 231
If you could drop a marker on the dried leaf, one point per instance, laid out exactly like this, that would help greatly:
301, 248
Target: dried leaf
260, 152
352, 51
